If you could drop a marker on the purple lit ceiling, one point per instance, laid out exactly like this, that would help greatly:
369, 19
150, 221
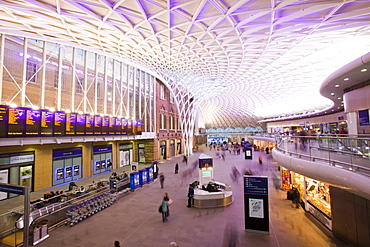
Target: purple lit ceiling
242, 60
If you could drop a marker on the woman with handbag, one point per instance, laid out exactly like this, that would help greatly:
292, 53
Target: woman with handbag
164, 208
168, 203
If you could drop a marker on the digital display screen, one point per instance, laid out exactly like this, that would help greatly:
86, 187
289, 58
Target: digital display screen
80, 124
59, 123
112, 125
97, 125
105, 125
124, 126
3, 120
68, 172
129, 127
46, 125
139, 127
16, 121
118, 126
89, 126
60, 173
33, 119
71, 123
206, 173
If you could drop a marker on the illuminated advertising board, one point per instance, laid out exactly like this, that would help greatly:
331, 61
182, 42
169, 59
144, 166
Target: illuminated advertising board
59, 123
112, 126
118, 126
3, 121
80, 124
46, 125
16, 121
97, 124
71, 123
105, 125
89, 125
33, 122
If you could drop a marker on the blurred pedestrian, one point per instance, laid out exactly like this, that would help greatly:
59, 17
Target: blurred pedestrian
190, 196
164, 208
177, 168
117, 244
161, 179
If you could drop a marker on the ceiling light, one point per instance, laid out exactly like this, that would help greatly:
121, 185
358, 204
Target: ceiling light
346, 79
337, 85
332, 94
363, 70
338, 97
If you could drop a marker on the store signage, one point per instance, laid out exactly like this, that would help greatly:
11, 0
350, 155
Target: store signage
102, 149
363, 117
21, 159
61, 153
15, 189
256, 185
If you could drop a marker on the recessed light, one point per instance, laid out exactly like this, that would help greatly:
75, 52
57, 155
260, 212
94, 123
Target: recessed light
346, 79
332, 94
338, 97
363, 70
337, 85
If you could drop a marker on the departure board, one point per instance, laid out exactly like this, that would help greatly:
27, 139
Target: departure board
46, 125
33, 119
59, 123
124, 126
3, 120
118, 126
80, 124
16, 121
97, 125
105, 125
89, 126
139, 127
112, 125
71, 123
129, 127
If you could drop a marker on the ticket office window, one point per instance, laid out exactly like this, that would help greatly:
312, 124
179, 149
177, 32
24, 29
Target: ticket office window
141, 153
102, 162
66, 170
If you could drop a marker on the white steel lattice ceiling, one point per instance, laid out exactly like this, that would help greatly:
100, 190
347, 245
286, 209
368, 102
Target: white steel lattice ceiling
242, 60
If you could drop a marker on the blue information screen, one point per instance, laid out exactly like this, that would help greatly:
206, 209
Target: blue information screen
256, 185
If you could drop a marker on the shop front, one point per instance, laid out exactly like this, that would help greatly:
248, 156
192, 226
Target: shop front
315, 195
102, 158
162, 150
125, 154
67, 165
16, 168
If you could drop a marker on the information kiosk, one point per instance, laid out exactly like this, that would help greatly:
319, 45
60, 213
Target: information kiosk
210, 193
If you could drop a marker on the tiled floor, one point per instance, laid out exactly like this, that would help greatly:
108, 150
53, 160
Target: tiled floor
134, 221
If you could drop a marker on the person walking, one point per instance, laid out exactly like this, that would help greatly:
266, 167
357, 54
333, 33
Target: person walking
168, 203
177, 168
161, 179
164, 208
190, 196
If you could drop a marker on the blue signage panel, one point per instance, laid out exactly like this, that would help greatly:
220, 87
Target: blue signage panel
102, 149
205, 163
61, 153
15, 189
256, 185
363, 117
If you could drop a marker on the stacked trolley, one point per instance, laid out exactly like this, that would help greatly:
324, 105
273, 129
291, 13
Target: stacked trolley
89, 207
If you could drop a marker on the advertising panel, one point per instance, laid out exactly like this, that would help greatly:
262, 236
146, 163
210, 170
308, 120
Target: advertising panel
139, 127
89, 126
129, 127
16, 121
46, 125
118, 126
33, 122
124, 126
112, 126
105, 125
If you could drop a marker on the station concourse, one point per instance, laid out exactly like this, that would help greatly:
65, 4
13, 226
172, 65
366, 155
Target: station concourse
134, 221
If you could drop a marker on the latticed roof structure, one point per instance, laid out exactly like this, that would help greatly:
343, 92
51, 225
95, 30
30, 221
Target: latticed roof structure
238, 61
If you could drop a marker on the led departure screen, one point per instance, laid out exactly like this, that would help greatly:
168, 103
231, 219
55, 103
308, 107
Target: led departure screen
139, 127
80, 124
3, 120
124, 126
71, 123
59, 123
118, 126
16, 121
46, 126
97, 125
112, 125
129, 127
105, 125
33, 118
89, 127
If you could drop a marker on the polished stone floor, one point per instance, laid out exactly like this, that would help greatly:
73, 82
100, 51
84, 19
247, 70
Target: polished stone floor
134, 220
